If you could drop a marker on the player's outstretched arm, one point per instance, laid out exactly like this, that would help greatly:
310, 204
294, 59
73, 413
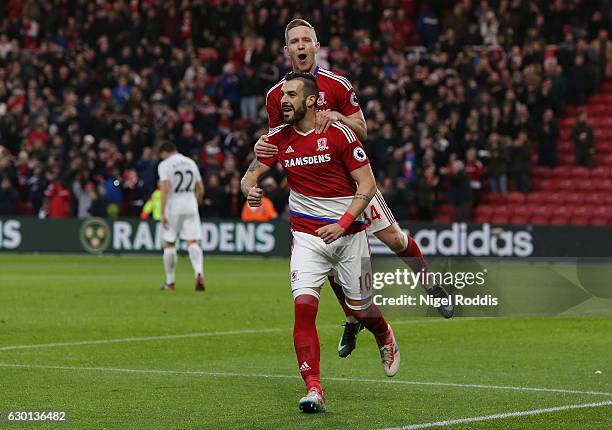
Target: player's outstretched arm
249, 181
366, 188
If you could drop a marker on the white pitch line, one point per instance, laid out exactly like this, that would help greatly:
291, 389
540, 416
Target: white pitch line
270, 376
187, 336
501, 416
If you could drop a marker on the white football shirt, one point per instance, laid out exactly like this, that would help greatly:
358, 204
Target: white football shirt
183, 174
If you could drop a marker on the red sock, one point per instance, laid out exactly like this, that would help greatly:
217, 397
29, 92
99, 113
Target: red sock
372, 318
413, 256
306, 340
340, 296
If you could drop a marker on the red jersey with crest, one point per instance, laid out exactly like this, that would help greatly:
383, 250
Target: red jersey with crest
318, 168
335, 93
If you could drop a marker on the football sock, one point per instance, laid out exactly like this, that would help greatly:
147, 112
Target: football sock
197, 258
413, 257
170, 264
306, 340
372, 318
348, 313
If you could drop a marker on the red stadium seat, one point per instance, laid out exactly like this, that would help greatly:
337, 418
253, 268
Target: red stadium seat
484, 210
519, 219
579, 172
506, 210
564, 146
566, 185
500, 219
493, 198
554, 198
541, 172
523, 210
603, 185
543, 210
559, 220
516, 198
599, 220
605, 160
536, 197
593, 198
583, 185
579, 220
600, 172
566, 159
539, 219
545, 185
574, 198
481, 219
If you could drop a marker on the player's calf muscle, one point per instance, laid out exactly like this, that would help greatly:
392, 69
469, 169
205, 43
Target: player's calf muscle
393, 237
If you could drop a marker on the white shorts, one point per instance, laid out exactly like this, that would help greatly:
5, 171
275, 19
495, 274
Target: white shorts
377, 215
184, 226
347, 259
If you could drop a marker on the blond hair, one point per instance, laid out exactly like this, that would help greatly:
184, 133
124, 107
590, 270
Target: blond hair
298, 23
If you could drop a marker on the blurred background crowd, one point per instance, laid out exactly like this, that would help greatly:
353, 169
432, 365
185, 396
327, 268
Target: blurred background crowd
458, 95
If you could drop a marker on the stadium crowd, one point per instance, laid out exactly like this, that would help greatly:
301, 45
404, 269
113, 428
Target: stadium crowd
457, 94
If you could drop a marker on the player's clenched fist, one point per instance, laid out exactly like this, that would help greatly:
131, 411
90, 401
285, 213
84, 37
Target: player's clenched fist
254, 197
330, 232
263, 149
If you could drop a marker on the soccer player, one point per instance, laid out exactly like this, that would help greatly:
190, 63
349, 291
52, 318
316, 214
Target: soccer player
337, 102
181, 190
331, 185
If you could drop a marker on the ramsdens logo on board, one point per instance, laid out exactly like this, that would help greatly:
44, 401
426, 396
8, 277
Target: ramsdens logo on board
227, 237
10, 234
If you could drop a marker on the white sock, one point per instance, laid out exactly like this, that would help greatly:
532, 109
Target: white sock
170, 264
197, 258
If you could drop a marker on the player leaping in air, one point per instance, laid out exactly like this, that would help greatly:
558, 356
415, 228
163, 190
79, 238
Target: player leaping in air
337, 102
331, 185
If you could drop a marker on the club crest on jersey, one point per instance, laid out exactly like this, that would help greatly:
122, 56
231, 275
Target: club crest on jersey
359, 154
321, 100
322, 144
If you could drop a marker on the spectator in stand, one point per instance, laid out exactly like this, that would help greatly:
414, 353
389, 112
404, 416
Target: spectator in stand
475, 171
584, 141
426, 185
547, 153
263, 213
520, 162
8, 197
460, 192
57, 199
497, 164
214, 205
602, 46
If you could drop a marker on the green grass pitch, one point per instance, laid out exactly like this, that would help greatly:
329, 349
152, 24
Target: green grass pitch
235, 367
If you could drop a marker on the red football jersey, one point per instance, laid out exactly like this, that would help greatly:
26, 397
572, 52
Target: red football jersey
335, 93
318, 170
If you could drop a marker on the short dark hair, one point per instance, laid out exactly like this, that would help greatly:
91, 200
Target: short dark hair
310, 82
167, 146
298, 23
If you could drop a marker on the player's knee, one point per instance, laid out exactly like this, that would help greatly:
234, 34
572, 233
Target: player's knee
394, 238
305, 294
358, 305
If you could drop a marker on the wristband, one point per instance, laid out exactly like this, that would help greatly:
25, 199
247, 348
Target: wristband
346, 220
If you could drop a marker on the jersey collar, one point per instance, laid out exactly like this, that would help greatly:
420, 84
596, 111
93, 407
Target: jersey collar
315, 71
302, 134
